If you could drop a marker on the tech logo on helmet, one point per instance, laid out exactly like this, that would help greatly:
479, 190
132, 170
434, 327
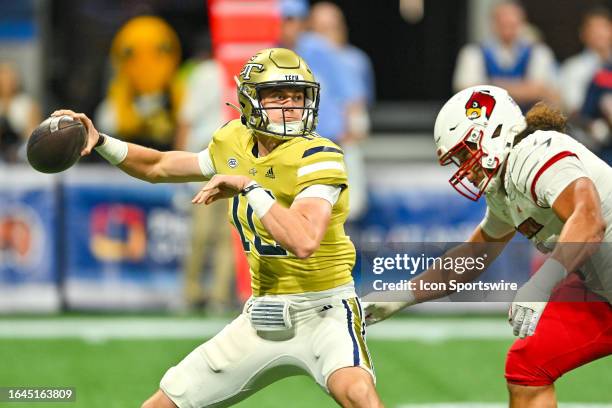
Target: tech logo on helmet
246, 71
479, 103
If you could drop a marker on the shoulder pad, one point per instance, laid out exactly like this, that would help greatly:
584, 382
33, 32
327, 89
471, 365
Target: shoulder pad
534, 154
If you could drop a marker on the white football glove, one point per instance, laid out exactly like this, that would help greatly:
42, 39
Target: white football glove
524, 317
378, 311
532, 297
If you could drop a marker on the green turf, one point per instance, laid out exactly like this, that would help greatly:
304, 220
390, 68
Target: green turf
122, 373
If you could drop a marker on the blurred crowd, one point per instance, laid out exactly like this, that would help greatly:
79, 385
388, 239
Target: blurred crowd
19, 115
516, 58
157, 98
154, 96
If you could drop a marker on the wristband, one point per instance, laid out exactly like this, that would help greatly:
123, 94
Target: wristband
540, 286
548, 276
101, 139
250, 187
258, 199
113, 150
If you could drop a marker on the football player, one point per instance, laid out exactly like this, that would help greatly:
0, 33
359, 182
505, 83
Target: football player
288, 199
539, 181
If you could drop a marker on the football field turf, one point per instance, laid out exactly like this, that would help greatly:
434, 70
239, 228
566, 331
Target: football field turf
419, 362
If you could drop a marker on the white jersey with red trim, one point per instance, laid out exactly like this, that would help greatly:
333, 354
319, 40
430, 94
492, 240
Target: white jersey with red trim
538, 169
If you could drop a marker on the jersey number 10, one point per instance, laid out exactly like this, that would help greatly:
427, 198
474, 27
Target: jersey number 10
263, 249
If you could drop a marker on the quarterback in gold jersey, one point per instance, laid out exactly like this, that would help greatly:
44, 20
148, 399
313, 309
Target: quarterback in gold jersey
288, 198
284, 173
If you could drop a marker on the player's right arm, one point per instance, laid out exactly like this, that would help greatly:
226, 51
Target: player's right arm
162, 167
489, 238
142, 162
480, 244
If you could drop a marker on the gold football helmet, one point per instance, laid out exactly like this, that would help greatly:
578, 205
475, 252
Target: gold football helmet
277, 68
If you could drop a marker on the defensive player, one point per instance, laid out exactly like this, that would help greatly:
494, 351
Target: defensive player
542, 183
288, 200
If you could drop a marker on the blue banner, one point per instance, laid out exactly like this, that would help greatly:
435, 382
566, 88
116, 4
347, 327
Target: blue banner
28, 256
124, 243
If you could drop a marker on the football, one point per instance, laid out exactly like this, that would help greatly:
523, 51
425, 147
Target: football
56, 144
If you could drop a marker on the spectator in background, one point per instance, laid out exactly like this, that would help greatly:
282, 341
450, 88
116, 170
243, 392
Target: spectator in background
341, 90
337, 89
200, 115
577, 71
19, 115
327, 20
596, 112
143, 99
509, 59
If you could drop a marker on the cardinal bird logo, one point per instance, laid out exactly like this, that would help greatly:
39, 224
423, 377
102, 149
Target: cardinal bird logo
479, 104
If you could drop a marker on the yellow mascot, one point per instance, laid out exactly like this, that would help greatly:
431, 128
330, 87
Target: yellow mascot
143, 96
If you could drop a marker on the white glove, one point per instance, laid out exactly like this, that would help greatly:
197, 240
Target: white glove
524, 317
375, 312
378, 311
532, 297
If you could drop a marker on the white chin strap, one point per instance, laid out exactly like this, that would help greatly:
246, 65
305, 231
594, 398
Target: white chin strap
289, 128
495, 182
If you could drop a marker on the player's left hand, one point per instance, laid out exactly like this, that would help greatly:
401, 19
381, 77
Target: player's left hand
524, 317
379, 311
219, 187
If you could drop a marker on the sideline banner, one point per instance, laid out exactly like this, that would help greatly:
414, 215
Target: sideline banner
124, 242
28, 256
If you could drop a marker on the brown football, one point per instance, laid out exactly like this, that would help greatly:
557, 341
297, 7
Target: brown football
56, 144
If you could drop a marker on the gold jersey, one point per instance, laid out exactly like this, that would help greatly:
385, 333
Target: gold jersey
286, 171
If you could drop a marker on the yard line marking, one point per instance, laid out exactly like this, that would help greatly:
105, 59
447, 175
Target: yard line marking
104, 328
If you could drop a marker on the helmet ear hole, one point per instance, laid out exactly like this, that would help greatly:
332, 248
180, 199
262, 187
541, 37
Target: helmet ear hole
497, 132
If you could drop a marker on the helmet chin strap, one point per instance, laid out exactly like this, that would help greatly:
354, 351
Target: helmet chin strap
290, 128
495, 181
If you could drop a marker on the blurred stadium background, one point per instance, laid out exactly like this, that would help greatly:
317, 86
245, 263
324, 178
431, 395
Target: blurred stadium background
93, 293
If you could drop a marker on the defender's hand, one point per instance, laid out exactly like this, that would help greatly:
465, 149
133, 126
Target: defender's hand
92, 133
378, 311
524, 317
531, 299
219, 187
